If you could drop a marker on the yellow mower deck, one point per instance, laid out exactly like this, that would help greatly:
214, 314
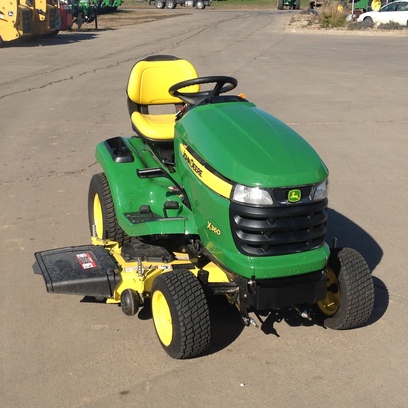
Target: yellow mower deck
101, 270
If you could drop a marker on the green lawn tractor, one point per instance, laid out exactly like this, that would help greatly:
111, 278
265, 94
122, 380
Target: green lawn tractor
290, 4
212, 197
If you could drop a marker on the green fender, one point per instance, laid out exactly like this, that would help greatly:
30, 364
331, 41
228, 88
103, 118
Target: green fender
121, 159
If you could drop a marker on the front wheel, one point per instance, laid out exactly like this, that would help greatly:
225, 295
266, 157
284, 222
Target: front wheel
171, 4
350, 291
180, 314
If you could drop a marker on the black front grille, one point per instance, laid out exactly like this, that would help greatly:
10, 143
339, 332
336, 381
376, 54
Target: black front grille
26, 21
260, 231
52, 18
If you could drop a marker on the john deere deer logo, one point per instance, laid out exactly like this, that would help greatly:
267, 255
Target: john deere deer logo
294, 196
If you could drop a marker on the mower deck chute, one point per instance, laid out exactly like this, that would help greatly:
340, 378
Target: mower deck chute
86, 270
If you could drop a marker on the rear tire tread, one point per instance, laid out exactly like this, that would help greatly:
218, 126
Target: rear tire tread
112, 231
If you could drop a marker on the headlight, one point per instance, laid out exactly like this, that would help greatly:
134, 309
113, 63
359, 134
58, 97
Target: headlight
321, 191
251, 195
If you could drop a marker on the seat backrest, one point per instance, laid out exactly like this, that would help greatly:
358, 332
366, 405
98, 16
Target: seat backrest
150, 79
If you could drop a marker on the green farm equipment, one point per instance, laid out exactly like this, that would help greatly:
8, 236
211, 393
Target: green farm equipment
211, 196
108, 6
290, 4
86, 11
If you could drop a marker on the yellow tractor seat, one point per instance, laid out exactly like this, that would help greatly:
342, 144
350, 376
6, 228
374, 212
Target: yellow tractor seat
148, 86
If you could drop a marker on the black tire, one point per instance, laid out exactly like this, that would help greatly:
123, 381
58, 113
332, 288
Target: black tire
159, 4
52, 34
101, 211
368, 22
129, 302
350, 294
180, 314
171, 4
80, 20
200, 5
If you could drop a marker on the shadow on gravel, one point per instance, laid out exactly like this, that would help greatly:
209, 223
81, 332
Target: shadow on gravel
349, 234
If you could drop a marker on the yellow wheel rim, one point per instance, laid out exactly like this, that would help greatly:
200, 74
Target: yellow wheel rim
376, 5
330, 305
98, 217
162, 318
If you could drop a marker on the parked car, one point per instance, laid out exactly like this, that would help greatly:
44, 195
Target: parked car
396, 12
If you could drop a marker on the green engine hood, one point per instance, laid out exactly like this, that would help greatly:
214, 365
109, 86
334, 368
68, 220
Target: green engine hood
249, 146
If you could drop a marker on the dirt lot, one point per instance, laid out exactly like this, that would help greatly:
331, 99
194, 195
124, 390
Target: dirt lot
129, 16
142, 12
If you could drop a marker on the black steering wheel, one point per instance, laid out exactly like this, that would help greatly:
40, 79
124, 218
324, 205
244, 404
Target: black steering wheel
222, 84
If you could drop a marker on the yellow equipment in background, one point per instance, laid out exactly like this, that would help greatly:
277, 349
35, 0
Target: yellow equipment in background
24, 18
15, 20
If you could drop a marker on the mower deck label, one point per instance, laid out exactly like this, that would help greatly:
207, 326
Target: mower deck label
86, 261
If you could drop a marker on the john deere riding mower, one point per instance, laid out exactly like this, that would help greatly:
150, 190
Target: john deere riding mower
215, 197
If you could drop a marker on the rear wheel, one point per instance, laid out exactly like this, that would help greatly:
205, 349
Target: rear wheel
159, 4
200, 5
171, 4
180, 314
350, 291
101, 211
